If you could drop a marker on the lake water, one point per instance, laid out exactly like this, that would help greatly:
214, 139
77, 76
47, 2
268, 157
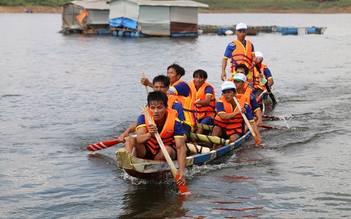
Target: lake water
60, 93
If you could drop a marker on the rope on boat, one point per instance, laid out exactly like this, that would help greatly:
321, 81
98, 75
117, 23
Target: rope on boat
210, 139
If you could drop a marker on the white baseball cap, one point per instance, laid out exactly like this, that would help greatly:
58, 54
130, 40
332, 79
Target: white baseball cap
228, 85
258, 54
239, 77
241, 26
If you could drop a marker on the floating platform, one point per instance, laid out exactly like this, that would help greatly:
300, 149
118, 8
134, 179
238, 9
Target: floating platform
254, 30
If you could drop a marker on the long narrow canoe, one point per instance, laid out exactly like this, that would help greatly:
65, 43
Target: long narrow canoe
154, 169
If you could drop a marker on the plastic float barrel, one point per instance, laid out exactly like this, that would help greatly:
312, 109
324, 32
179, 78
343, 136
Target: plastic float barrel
184, 34
279, 29
313, 30
103, 32
289, 31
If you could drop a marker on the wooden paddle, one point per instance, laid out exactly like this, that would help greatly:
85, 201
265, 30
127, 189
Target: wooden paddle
267, 87
147, 90
182, 188
102, 145
257, 140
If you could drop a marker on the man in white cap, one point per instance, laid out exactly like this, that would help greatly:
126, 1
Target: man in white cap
229, 123
261, 75
244, 94
239, 51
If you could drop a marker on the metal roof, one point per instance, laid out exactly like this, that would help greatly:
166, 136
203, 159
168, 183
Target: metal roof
92, 4
181, 3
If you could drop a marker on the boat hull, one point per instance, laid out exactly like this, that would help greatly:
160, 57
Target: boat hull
155, 169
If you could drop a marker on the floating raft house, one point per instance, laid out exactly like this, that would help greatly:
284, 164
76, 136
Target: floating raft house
85, 16
173, 18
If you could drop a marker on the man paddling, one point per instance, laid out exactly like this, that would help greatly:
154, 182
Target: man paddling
243, 91
261, 75
182, 91
169, 128
229, 123
204, 95
160, 83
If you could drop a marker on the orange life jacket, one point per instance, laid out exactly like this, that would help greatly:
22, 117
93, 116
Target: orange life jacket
167, 133
171, 100
256, 77
241, 55
203, 111
245, 98
187, 106
233, 125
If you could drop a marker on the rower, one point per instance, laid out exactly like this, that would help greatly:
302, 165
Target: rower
160, 83
245, 94
204, 95
229, 123
169, 128
259, 80
180, 89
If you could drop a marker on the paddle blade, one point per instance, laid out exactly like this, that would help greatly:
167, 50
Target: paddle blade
102, 145
182, 188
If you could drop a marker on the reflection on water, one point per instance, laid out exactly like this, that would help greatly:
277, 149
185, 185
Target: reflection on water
60, 93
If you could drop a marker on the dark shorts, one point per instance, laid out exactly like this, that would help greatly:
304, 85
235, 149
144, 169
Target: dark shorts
207, 120
187, 130
148, 154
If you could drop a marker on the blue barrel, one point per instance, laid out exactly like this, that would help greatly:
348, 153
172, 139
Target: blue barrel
103, 32
313, 30
177, 34
289, 31
184, 34
114, 32
279, 29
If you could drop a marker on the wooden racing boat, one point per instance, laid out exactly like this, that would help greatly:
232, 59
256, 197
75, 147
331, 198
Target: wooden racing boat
154, 169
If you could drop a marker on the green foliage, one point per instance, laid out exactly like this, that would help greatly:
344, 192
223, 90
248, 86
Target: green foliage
246, 5
243, 5
50, 3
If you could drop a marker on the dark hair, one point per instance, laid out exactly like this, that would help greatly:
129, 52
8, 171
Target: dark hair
163, 79
179, 69
201, 73
246, 69
157, 96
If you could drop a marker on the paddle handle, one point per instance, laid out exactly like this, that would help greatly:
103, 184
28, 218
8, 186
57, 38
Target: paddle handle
247, 122
267, 88
147, 90
182, 188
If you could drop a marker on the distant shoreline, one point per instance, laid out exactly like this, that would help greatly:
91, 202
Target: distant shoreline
43, 9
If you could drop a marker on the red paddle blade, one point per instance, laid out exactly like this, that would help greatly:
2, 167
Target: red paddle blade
182, 188
102, 145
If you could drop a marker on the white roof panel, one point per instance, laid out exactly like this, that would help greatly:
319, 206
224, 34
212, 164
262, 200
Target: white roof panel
100, 5
181, 3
